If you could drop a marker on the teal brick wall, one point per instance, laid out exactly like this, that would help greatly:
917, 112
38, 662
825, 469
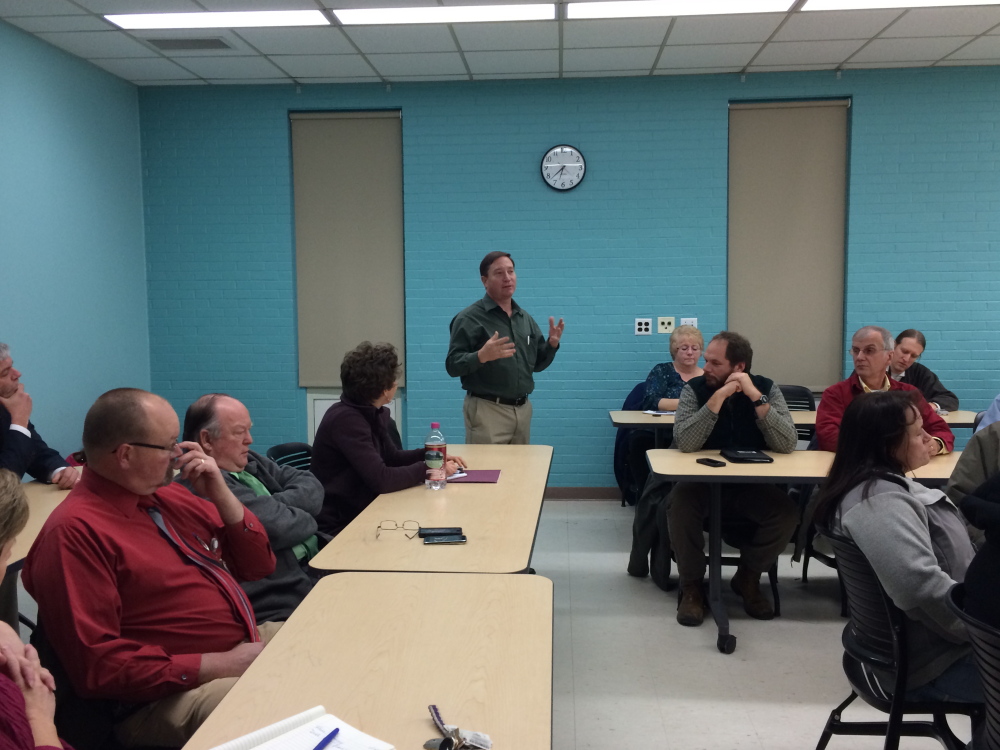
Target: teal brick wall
644, 235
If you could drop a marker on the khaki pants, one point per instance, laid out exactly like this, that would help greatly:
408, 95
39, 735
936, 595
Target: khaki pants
489, 423
171, 721
766, 505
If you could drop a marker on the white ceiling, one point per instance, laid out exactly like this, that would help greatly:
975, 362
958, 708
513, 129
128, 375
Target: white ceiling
795, 40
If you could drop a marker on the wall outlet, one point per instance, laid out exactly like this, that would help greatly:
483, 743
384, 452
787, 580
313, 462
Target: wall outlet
665, 325
689, 322
643, 326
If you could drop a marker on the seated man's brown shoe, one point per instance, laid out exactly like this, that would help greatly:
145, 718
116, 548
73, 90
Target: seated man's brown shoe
747, 585
691, 608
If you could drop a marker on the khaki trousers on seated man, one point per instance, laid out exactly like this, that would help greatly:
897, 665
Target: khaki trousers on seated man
489, 423
170, 722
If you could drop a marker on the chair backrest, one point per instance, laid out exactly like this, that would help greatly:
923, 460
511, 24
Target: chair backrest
298, 455
799, 398
986, 651
876, 628
626, 482
978, 418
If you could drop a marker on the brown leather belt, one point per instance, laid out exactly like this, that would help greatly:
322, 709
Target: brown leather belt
500, 400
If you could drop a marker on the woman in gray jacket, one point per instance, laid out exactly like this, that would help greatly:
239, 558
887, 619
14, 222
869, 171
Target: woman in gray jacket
914, 537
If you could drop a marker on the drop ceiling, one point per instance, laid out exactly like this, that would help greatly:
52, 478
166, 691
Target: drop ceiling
827, 40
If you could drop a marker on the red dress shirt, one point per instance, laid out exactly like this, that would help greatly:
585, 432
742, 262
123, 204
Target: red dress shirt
15, 731
127, 613
835, 399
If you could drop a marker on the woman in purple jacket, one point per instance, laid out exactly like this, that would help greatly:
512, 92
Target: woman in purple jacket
353, 454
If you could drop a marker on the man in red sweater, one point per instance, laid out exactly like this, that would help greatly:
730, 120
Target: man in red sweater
136, 577
871, 348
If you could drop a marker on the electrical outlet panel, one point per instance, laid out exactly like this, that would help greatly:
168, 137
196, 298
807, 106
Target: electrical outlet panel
689, 322
665, 325
643, 326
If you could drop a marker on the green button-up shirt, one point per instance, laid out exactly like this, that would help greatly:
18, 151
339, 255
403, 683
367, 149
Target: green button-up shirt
507, 378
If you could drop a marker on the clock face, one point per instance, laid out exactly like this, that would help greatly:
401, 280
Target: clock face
563, 167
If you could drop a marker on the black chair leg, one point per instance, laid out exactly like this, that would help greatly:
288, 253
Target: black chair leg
834, 721
772, 577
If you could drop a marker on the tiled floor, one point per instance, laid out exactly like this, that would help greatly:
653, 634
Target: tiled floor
627, 675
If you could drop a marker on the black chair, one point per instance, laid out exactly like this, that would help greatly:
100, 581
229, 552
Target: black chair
627, 483
800, 398
986, 651
298, 455
875, 639
978, 418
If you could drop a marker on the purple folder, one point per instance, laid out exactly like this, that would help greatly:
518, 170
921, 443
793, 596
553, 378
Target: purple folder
479, 476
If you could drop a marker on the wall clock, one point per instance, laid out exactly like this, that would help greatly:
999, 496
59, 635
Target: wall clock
563, 167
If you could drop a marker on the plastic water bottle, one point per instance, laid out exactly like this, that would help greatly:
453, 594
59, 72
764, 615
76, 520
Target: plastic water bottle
435, 455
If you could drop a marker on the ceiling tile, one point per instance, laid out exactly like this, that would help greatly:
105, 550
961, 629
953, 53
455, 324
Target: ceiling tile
724, 29
631, 32
695, 71
869, 65
335, 4
428, 64
508, 36
174, 82
323, 66
251, 81
536, 61
790, 68
807, 53
143, 69
39, 24
88, 44
302, 41
951, 63
984, 48
835, 24
349, 79
508, 76
902, 50
707, 55
615, 58
945, 22
232, 67
140, 6
37, 8
395, 79
223, 5
419, 38
604, 73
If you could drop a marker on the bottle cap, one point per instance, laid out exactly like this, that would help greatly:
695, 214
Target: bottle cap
435, 425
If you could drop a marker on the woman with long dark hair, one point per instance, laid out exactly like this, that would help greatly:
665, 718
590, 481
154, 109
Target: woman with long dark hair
914, 537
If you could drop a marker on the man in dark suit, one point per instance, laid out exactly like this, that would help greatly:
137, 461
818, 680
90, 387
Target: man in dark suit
22, 449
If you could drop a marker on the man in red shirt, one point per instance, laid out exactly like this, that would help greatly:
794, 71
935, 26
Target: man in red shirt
871, 348
136, 577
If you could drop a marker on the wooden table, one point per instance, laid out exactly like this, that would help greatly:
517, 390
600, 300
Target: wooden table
960, 418
376, 649
42, 500
657, 422
500, 520
799, 467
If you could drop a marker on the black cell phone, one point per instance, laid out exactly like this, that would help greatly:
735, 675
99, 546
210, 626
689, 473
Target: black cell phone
446, 539
440, 531
710, 462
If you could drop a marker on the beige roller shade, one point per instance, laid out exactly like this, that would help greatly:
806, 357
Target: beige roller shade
787, 196
348, 183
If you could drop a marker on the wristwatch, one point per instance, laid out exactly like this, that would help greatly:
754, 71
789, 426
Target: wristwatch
761, 401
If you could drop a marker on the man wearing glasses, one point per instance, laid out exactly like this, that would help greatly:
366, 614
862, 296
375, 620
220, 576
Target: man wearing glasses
136, 578
871, 349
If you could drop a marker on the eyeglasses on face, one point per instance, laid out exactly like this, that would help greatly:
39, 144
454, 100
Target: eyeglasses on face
868, 351
168, 448
410, 528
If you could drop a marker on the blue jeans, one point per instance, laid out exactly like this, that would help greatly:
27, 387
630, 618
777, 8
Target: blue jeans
958, 683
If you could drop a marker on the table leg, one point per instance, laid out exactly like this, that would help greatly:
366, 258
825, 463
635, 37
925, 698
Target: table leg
726, 642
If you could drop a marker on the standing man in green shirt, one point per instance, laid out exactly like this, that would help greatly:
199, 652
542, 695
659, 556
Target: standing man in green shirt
495, 347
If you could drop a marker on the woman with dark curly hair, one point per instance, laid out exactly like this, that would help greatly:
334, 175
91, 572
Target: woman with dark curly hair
353, 455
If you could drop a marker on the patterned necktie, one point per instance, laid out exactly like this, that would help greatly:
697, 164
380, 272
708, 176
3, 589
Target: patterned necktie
215, 570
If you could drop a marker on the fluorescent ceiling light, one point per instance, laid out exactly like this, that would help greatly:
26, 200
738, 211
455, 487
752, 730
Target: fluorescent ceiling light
228, 20
871, 4
648, 8
452, 14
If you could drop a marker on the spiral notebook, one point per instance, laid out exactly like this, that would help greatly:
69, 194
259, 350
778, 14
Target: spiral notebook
304, 731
